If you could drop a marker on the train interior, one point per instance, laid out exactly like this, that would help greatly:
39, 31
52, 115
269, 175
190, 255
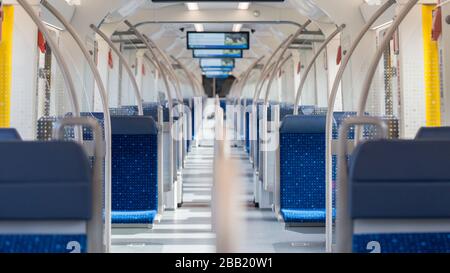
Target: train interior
295, 126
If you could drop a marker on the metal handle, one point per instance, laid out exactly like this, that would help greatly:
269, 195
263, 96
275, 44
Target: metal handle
247, 75
58, 56
380, 51
104, 98
283, 48
311, 64
188, 76
331, 103
283, 61
149, 47
125, 64
343, 221
266, 66
95, 227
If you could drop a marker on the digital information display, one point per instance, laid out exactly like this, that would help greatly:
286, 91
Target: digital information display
221, 1
217, 63
217, 53
223, 69
218, 40
217, 75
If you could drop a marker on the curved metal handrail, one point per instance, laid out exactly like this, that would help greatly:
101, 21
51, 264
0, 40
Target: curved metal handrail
188, 76
284, 49
149, 47
376, 59
107, 116
280, 66
125, 64
266, 66
329, 121
59, 58
95, 224
311, 64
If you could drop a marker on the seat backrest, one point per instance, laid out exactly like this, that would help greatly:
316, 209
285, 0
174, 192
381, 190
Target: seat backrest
124, 111
339, 118
45, 196
433, 133
9, 134
134, 163
405, 185
302, 162
151, 109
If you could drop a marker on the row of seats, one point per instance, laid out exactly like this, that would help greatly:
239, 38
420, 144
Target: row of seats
412, 213
302, 160
64, 177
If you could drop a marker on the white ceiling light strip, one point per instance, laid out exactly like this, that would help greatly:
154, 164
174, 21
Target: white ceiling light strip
199, 27
243, 5
237, 27
192, 6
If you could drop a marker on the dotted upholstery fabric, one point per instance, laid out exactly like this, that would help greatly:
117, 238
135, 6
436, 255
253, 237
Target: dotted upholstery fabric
134, 178
403, 242
33, 243
302, 176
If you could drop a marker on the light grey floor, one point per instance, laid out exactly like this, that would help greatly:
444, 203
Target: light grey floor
188, 229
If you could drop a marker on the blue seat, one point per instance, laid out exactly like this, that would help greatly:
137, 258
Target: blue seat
223, 105
247, 125
9, 134
134, 161
302, 169
134, 170
433, 133
123, 111
45, 197
190, 103
404, 186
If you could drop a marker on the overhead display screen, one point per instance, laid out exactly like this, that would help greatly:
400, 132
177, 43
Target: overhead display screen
223, 69
217, 53
217, 63
217, 74
175, 1
218, 40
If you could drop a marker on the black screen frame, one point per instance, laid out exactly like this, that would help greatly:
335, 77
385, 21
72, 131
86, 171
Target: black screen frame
215, 32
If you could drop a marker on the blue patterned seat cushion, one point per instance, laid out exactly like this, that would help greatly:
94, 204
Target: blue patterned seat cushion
302, 175
133, 217
134, 178
38, 243
403, 242
304, 216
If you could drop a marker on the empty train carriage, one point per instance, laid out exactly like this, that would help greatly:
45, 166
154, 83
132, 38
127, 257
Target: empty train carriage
265, 126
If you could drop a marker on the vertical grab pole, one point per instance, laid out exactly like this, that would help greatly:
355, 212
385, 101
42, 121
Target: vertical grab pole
329, 120
130, 73
344, 225
376, 59
107, 116
59, 58
311, 64
95, 224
